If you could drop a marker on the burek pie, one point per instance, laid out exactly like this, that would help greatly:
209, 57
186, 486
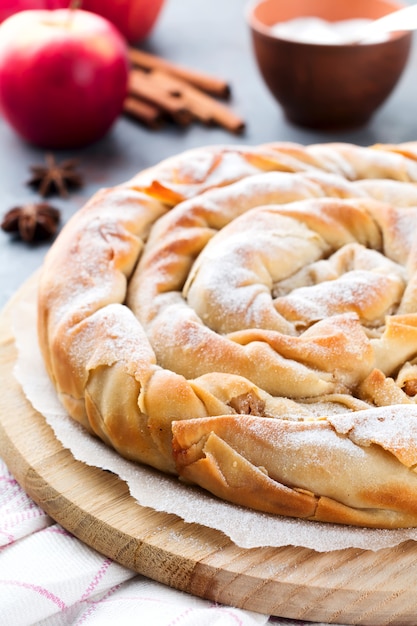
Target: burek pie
246, 318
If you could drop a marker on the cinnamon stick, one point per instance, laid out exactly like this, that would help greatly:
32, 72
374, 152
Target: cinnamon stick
143, 86
206, 82
202, 107
147, 113
181, 100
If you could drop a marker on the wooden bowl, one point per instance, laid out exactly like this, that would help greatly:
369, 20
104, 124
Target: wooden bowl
327, 86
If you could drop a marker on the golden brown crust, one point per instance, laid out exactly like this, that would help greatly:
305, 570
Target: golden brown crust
246, 318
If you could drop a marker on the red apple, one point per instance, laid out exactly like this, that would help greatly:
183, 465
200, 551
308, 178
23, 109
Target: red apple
134, 18
63, 76
8, 7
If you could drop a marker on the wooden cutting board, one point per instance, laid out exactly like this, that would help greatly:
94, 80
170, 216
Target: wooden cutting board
350, 586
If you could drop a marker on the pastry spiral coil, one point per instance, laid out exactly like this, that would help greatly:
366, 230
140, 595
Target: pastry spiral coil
246, 318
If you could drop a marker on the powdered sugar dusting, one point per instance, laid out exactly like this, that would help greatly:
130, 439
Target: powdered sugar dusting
277, 299
393, 427
150, 488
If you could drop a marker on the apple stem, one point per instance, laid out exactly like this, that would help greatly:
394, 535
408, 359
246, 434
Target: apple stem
73, 6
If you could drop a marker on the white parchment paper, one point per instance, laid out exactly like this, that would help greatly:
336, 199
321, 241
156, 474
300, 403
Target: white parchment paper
248, 529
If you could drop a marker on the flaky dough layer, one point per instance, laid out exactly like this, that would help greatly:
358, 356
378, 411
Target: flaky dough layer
246, 318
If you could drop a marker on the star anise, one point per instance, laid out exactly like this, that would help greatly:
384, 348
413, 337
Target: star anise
32, 222
55, 178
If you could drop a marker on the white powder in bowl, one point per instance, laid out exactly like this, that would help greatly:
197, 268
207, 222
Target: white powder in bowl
318, 31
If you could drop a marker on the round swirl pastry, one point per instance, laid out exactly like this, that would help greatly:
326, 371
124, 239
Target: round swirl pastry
246, 318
